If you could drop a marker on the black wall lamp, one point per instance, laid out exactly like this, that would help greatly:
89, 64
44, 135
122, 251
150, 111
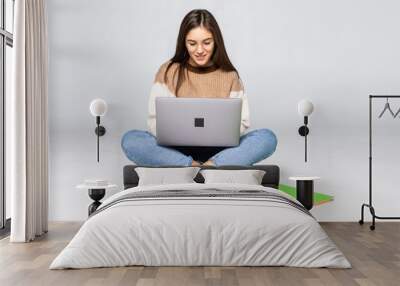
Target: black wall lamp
305, 108
98, 108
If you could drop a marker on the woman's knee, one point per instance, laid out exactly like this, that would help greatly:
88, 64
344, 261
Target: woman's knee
267, 139
135, 139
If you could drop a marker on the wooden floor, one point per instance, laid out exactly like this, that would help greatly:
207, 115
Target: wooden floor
375, 257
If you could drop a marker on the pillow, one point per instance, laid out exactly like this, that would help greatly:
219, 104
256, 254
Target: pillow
162, 176
249, 177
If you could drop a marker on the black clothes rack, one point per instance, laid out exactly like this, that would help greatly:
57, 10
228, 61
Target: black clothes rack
369, 205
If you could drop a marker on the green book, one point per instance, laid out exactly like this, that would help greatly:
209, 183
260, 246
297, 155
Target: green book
319, 198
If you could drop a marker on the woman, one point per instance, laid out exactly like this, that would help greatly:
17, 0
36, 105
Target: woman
199, 68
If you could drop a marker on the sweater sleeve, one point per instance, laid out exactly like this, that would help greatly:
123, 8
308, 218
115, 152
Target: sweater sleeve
237, 91
158, 89
155, 91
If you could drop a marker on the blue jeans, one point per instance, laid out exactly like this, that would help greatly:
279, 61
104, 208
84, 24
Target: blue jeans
141, 147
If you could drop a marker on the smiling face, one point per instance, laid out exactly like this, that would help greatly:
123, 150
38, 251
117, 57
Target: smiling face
200, 45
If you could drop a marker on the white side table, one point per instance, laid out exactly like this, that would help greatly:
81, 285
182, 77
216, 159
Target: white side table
305, 190
96, 193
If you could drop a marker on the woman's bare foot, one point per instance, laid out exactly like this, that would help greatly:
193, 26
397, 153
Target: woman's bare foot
196, 164
208, 163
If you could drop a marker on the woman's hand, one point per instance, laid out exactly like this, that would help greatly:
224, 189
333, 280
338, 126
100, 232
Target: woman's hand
209, 163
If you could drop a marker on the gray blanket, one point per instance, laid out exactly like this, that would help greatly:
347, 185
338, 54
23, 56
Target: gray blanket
201, 224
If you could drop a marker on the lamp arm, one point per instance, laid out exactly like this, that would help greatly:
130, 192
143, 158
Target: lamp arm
305, 138
305, 149
98, 137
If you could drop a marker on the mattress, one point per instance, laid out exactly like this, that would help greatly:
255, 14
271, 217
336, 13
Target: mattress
201, 225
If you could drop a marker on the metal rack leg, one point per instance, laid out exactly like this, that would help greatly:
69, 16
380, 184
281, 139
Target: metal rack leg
361, 221
374, 216
372, 210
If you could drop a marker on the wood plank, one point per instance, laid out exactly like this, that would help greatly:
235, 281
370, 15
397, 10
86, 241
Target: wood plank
375, 257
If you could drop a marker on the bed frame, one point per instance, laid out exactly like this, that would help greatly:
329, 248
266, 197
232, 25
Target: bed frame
270, 179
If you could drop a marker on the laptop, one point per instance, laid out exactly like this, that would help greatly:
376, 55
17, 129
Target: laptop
198, 121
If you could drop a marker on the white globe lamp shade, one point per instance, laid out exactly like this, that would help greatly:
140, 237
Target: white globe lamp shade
98, 107
305, 107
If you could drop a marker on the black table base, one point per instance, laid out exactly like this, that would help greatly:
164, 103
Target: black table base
305, 193
96, 195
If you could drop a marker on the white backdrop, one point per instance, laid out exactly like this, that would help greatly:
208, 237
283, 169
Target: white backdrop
334, 53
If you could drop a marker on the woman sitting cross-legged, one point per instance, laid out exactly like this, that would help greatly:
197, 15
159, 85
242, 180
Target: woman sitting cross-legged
199, 68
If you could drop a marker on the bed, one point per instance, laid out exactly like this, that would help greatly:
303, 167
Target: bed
198, 224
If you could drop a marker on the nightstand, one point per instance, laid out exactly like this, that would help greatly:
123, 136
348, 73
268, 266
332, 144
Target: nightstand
96, 193
305, 190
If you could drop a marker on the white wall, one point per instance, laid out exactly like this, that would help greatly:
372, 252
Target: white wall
334, 53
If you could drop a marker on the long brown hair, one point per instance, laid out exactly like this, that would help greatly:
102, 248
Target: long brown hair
194, 19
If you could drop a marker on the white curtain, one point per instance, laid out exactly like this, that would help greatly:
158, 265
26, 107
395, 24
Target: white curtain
27, 132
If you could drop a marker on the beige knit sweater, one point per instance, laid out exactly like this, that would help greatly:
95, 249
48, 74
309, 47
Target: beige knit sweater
197, 82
